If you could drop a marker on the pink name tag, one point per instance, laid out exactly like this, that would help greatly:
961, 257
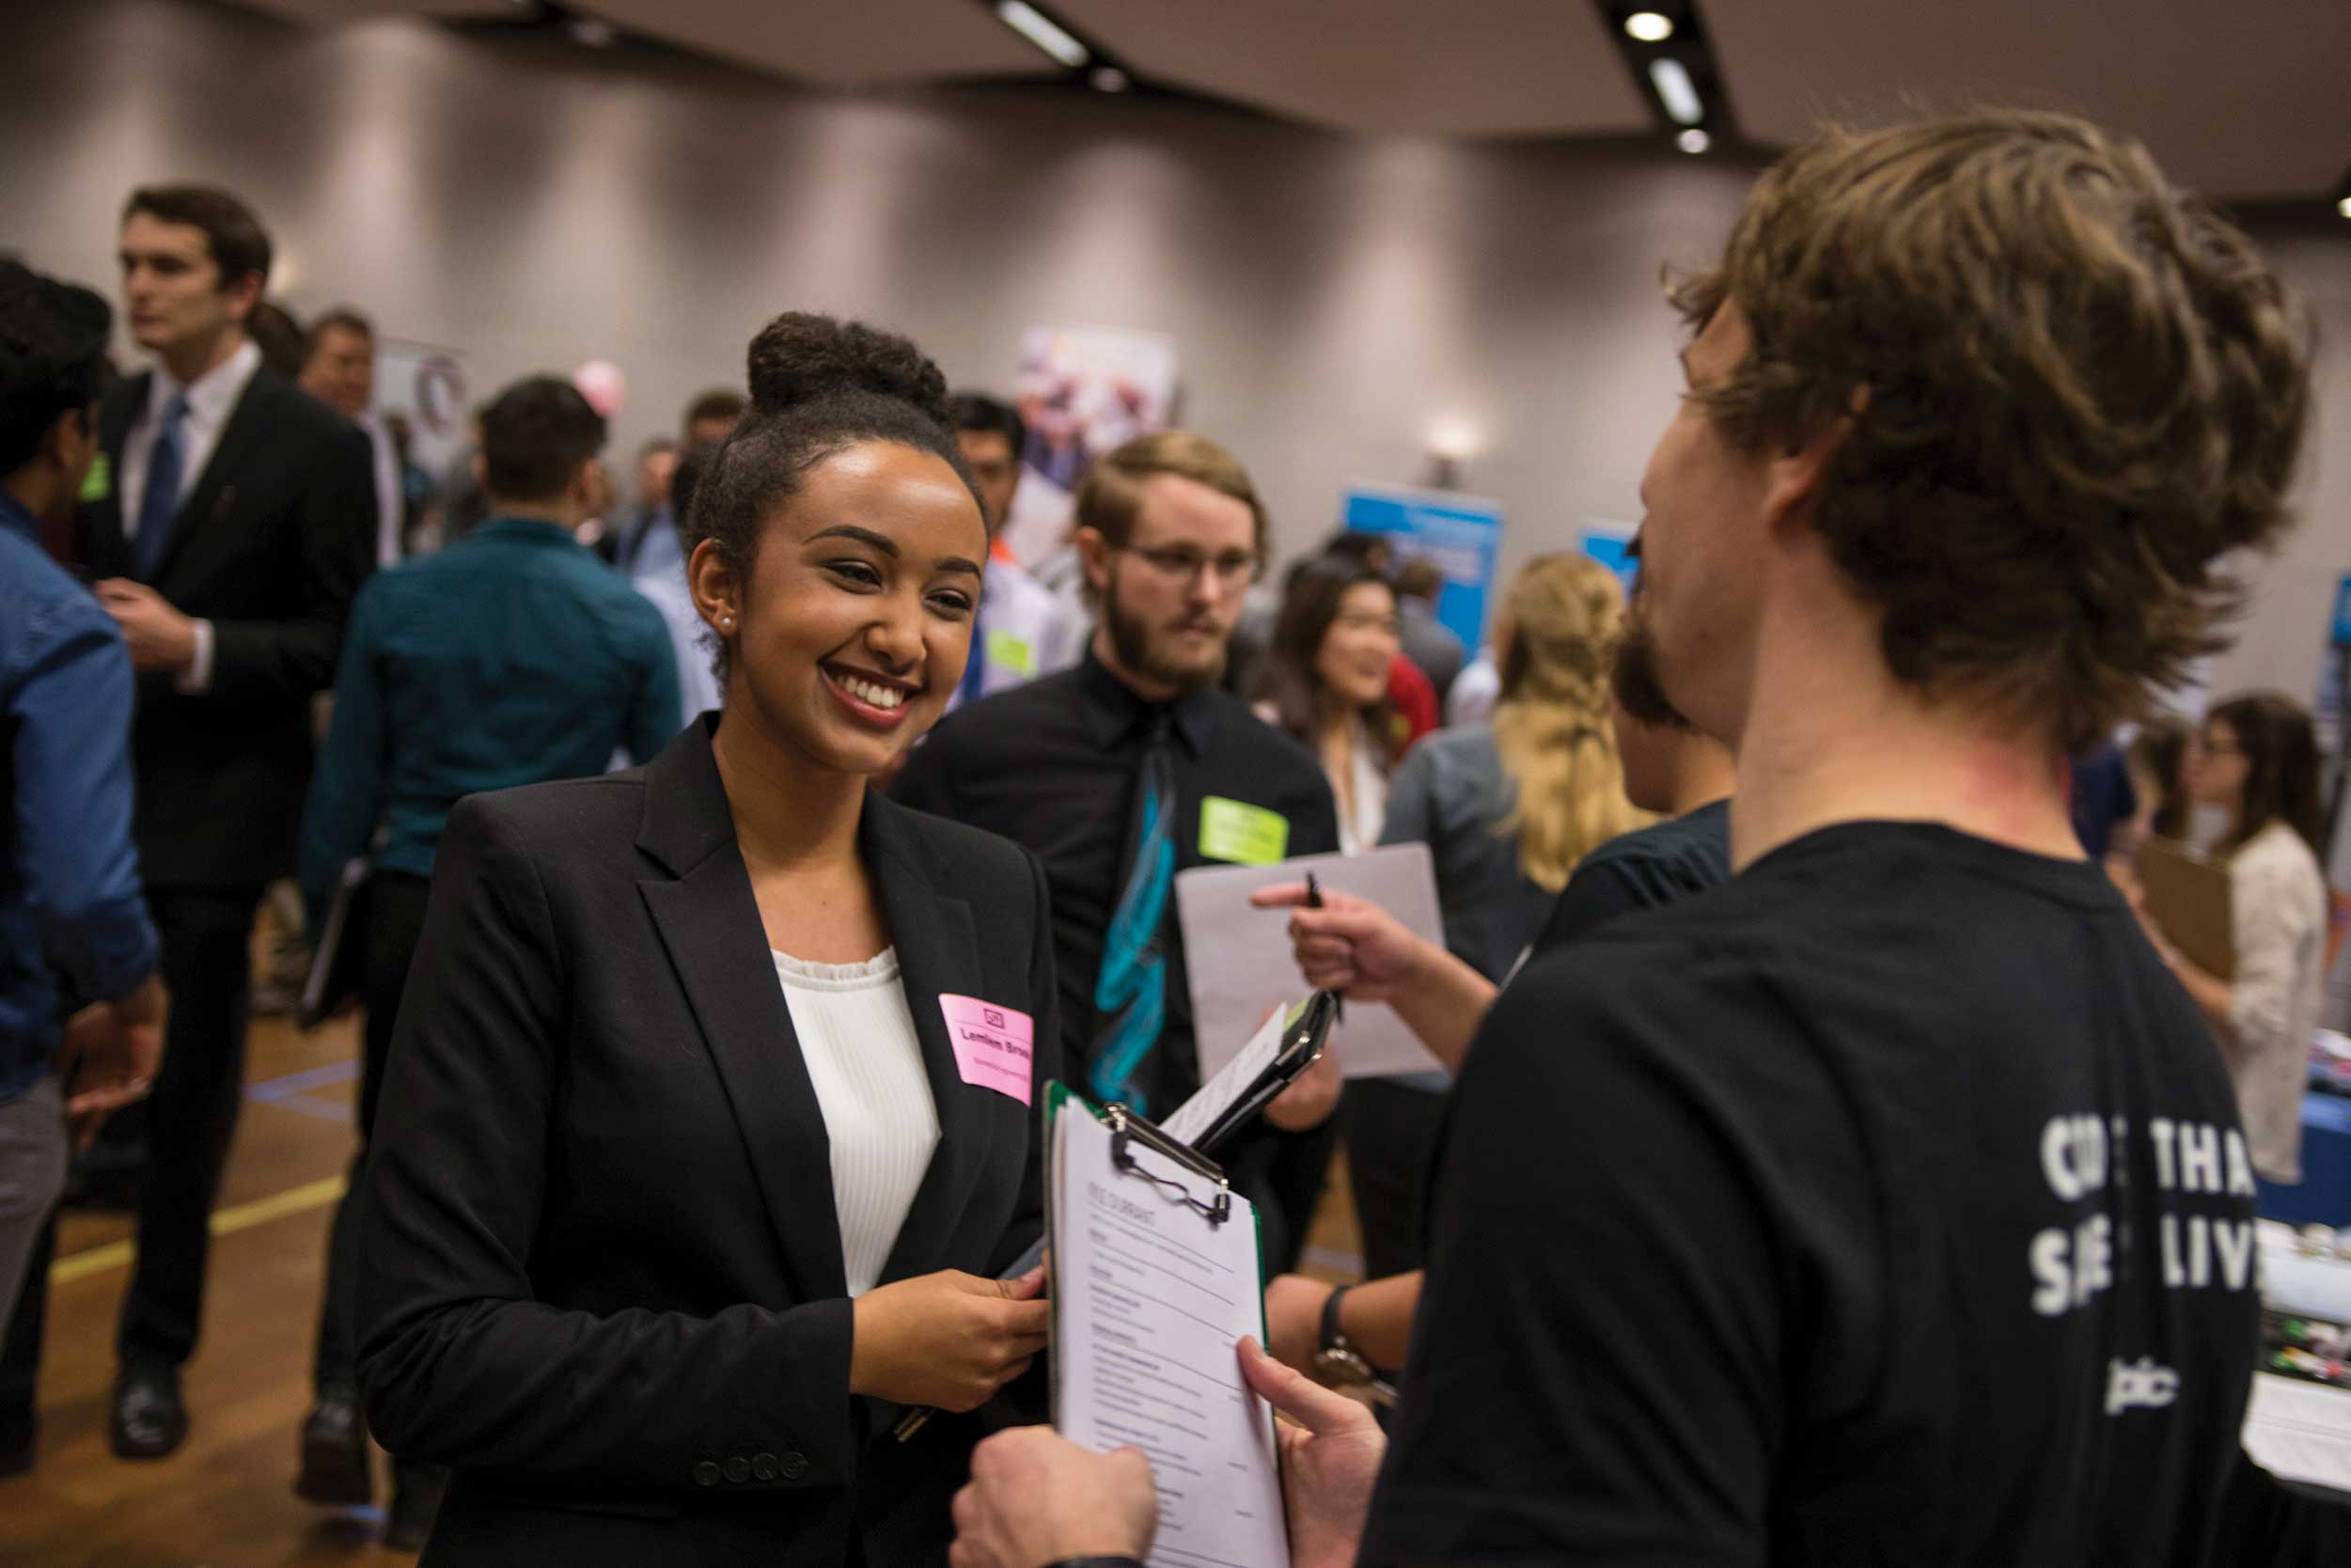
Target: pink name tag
992, 1044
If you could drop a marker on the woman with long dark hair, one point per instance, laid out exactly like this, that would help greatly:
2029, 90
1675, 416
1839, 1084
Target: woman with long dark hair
2256, 757
708, 1124
1325, 680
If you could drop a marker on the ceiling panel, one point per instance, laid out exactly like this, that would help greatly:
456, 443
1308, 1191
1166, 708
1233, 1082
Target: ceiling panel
2248, 98
1471, 67
840, 42
360, 10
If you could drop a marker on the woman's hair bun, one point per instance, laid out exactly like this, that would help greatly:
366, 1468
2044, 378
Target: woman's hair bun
799, 358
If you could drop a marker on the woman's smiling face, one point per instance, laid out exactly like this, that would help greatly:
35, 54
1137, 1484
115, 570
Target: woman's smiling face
856, 622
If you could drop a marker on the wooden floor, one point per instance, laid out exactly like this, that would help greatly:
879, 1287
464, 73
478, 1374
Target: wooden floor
225, 1500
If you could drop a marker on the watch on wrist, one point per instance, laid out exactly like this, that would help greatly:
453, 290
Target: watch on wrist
1336, 1362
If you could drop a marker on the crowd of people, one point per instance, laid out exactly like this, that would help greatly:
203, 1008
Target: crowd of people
1811, 1058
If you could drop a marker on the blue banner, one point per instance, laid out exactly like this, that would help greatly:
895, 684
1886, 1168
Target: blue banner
1462, 535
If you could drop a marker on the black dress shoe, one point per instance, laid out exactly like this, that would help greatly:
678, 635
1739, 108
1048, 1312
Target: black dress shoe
335, 1454
146, 1420
417, 1491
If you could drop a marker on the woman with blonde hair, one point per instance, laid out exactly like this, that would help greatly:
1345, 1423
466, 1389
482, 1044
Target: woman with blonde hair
1506, 808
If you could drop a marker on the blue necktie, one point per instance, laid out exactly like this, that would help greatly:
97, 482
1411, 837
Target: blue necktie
975, 667
1131, 990
161, 504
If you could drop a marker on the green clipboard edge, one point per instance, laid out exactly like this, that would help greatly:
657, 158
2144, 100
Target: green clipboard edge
1059, 1094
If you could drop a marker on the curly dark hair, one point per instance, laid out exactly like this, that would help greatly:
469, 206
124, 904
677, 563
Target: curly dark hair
2071, 391
818, 387
53, 358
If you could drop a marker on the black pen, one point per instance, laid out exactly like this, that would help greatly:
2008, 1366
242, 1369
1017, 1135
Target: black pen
1314, 901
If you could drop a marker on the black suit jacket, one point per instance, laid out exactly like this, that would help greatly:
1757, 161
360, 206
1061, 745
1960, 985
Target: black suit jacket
271, 547
601, 1273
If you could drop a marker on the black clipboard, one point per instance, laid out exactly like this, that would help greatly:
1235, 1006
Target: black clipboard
339, 964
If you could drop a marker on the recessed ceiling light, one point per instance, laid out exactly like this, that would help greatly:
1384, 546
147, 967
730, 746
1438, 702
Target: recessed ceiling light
1676, 92
593, 32
1110, 79
1042, 31
2344, 207
1648, 26
1693, 140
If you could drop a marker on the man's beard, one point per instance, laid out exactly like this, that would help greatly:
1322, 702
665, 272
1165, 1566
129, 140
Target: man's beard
1634, 677
1131, 639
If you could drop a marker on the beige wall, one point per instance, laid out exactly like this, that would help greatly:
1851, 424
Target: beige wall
1334, 299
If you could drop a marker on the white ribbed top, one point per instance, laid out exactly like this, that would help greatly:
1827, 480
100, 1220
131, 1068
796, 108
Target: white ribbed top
857, 1039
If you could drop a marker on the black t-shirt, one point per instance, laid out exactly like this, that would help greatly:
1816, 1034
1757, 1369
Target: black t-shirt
1889, 1208
1053, 765
1657, 865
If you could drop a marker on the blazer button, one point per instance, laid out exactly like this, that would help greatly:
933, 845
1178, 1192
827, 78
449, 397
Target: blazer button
706, 1473
763, 1467
794, 1464
738, 1470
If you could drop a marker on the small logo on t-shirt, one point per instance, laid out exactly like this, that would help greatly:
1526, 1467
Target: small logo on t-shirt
2139, 1385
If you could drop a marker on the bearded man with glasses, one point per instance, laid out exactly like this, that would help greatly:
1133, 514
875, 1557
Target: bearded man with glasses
1133, 765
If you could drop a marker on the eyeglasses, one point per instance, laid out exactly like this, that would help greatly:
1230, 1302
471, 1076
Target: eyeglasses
1233, 568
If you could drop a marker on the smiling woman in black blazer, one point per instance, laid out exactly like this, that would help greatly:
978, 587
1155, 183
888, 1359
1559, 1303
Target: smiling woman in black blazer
708, 1122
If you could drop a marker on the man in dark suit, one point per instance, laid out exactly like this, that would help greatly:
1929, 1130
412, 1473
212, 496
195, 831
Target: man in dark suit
228, 537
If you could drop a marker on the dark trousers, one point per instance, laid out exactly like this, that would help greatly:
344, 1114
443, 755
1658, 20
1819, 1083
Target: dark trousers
1391, 1137
20, 1353
190, 1116
395, 920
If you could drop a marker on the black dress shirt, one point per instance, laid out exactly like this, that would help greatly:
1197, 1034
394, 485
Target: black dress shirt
1052, 767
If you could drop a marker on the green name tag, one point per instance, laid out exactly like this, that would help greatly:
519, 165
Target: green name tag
100, 481
1244, 834
1011, 653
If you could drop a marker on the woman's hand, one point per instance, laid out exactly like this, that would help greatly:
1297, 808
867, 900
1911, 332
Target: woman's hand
1351, 945
1293, 1319
1309, 1100
948, 1338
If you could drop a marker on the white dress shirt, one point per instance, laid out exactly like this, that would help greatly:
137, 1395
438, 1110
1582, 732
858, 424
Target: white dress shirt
2277, 905
391, 507
211, 398
857, 1039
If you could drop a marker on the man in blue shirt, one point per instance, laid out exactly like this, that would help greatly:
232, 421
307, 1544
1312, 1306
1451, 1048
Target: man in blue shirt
512, 657
74, 932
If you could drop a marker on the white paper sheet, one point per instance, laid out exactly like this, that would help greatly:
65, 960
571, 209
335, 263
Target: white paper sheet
1149, 1301
1237, 955
1219, 1093
2300, 1430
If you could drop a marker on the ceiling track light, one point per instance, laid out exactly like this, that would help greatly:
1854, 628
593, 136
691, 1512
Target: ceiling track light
1042, 31
1676, 92
1648, 26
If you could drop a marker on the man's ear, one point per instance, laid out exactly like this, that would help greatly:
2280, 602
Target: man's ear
1799, 475
1093, 553
244, 294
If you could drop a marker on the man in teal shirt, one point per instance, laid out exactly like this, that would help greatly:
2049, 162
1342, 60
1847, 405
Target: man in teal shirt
512, 657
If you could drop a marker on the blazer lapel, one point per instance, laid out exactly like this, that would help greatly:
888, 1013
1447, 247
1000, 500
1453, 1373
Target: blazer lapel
710, 923
214, 491
938, 954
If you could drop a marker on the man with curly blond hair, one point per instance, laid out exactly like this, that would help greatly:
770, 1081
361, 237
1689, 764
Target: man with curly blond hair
1887, 1205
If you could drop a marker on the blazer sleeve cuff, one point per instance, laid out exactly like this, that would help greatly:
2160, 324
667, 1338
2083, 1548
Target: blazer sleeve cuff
197, 679
797, 1425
